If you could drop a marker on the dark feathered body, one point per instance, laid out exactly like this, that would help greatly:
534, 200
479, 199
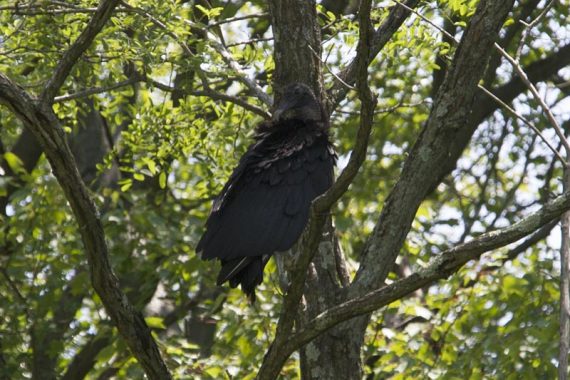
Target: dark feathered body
264, 206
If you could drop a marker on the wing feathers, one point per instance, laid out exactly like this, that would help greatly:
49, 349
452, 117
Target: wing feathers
265, 204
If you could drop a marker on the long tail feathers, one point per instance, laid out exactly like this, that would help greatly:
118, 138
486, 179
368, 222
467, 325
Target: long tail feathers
244, 271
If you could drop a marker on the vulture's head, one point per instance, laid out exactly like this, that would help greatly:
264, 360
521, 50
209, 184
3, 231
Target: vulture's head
298, 102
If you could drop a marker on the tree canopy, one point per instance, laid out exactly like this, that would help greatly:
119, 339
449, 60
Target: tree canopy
440, 252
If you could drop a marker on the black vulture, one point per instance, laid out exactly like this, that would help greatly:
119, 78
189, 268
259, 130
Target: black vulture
264, 206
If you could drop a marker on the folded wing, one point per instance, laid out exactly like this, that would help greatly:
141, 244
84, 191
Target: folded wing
264, 206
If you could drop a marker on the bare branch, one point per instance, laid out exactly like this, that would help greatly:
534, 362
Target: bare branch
100, 17
368, 104
238, 18
221, 49
381, 37
241, 75
522, 75
96, 90
435, 152
213, 95
444, 265
249, 42
274, 359
564, 340
163, 87
534, 91
530, 26
525, 121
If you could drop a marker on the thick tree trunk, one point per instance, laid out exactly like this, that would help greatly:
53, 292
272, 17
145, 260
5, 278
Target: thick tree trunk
335, 354
297, 50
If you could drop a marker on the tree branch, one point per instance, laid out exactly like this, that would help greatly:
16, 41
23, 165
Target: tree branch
221, 49
545, 108
135, 79
441, 267
526, 122
95, 90
44, 125
381, 37
433, 154
274, 359
213, 95
100, 17
537, 71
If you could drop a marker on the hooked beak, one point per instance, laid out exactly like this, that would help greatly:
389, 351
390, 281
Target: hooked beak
283, 107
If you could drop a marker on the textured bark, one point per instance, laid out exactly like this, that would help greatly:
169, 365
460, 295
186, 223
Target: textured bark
297, 59
335, 354
382, 35
41, 120
297, 49
432, 156
452, 122
564, 341
442, 266
37, 115
435, 152
430, 160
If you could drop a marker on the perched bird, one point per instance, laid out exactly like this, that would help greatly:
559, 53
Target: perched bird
264, 206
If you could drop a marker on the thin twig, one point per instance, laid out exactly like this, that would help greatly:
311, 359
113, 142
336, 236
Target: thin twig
546, 109
445, 32
249, 42
442, 266
233, 65
96, 90
214, 95
163, 87
325, 64
160, 24
274, 359
523, 77
226, 56
54, 12
239, 18
388, 109
525, 121
61, 72
382, 35
241, 75
530, 26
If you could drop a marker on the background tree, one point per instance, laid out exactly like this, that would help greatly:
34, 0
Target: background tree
141, 109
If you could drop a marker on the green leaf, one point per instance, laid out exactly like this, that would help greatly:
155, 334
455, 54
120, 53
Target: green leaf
14, 163
126, 185
155, 322
162, 180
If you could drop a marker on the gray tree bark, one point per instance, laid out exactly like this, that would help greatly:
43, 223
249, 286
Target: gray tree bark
336, 353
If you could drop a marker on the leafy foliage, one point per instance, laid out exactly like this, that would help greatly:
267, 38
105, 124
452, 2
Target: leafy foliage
167, 152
